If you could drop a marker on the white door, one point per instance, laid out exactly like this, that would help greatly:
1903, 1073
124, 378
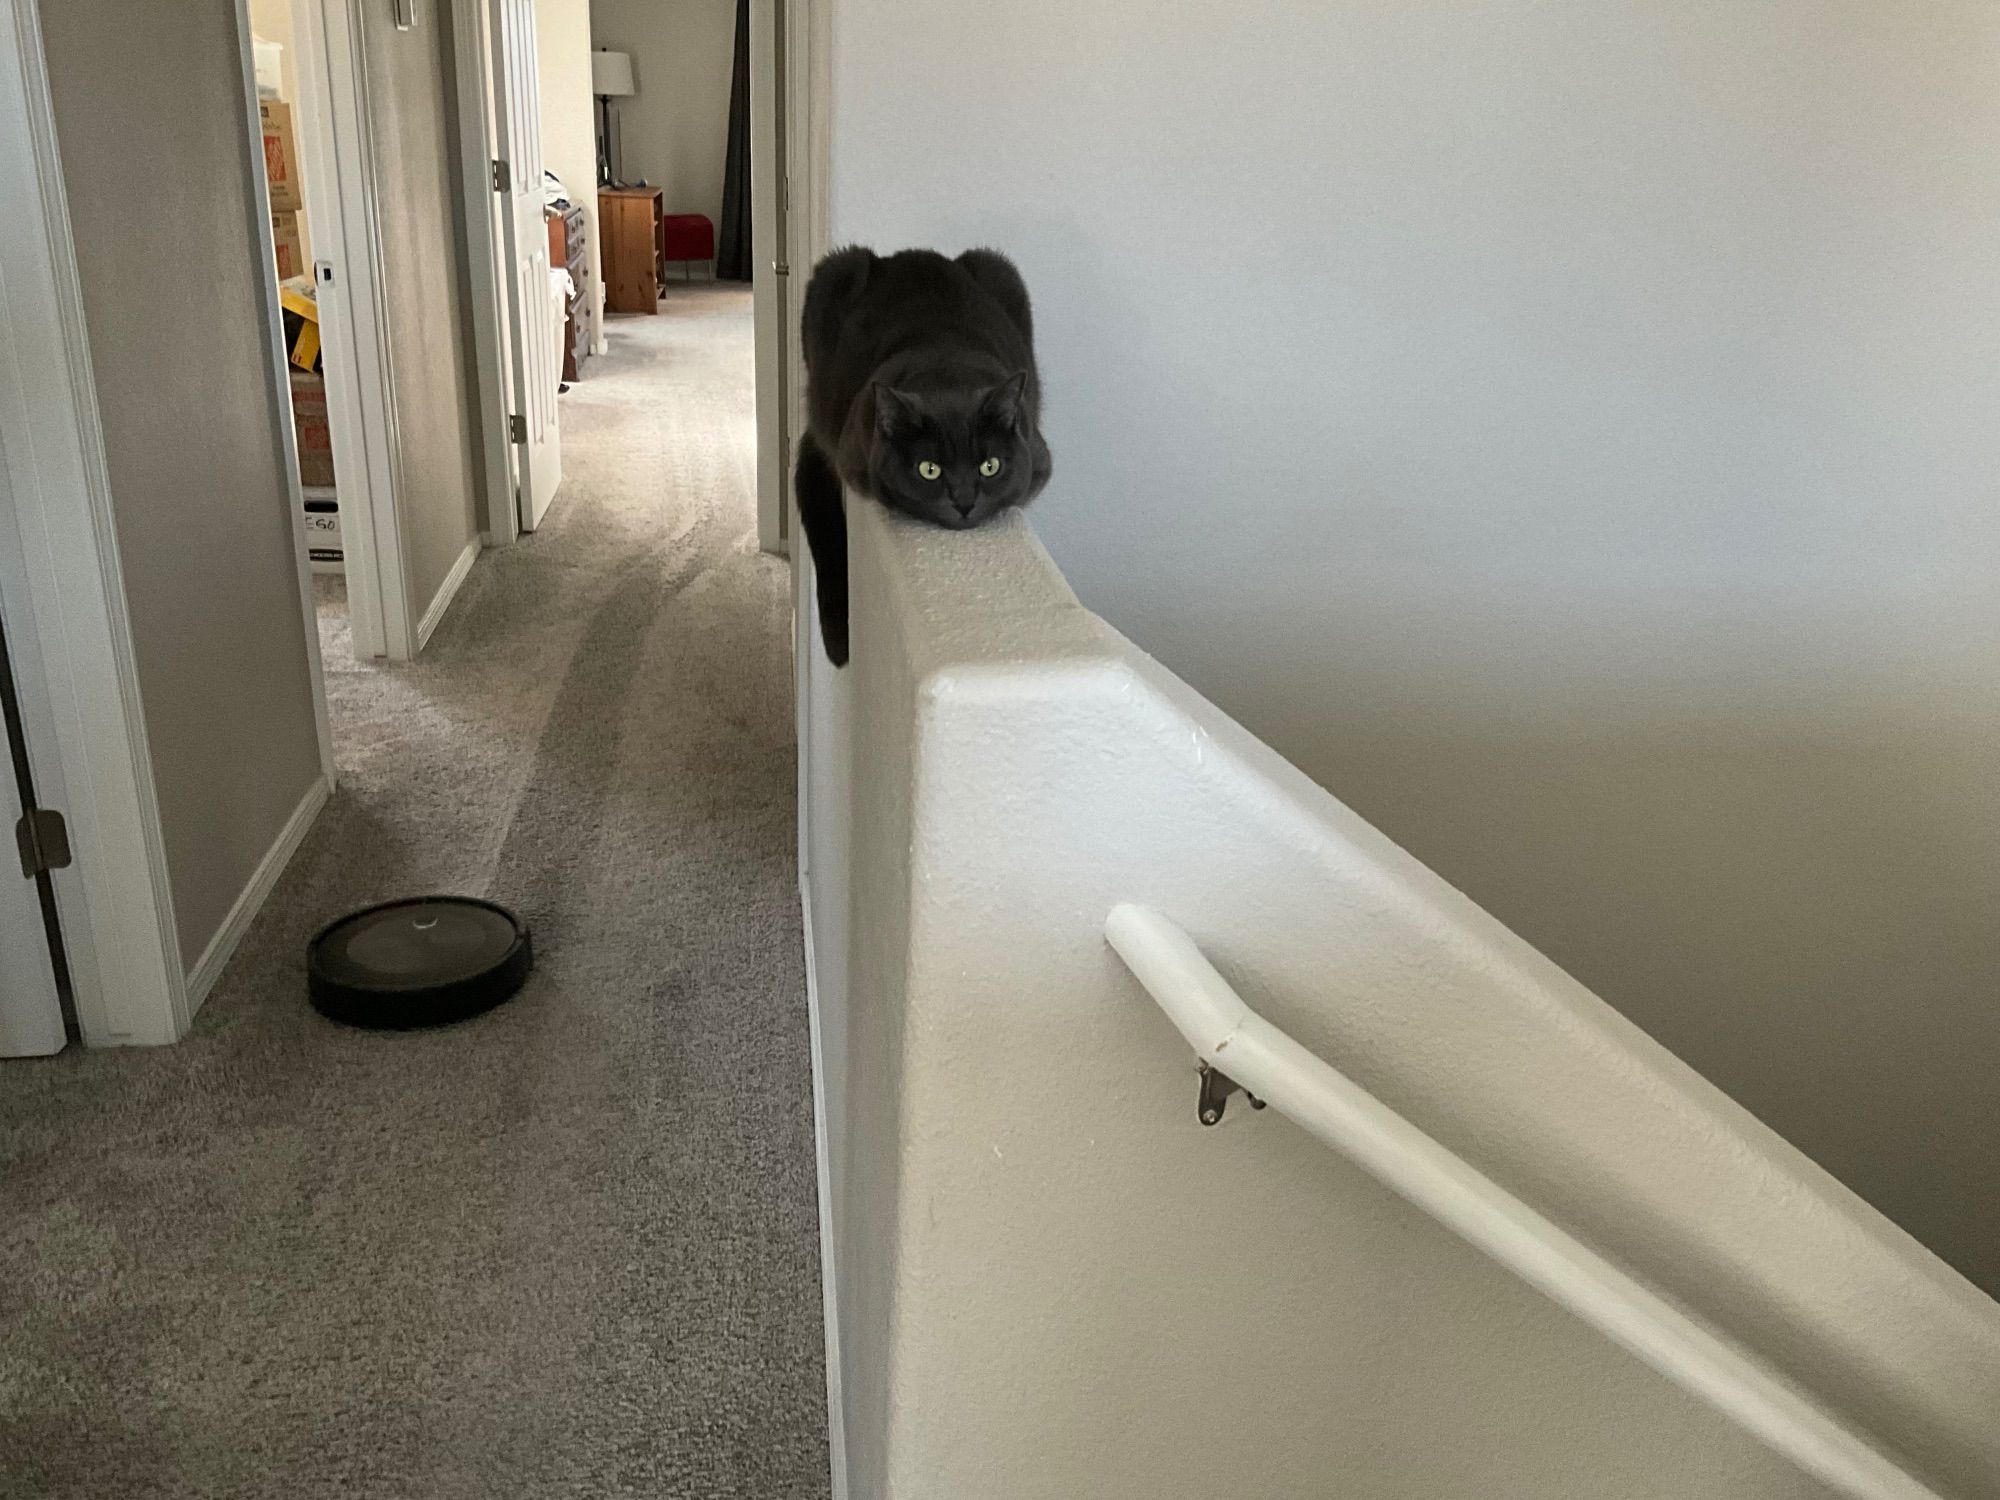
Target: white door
534, 329
31, 1023
332, 117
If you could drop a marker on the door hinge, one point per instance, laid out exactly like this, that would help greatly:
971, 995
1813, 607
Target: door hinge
44, 841
503, 177
517, 427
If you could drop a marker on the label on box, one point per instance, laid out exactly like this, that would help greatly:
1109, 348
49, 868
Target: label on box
323, 536
281, 156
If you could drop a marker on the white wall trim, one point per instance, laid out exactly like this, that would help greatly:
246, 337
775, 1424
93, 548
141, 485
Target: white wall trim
806, 146
447, 591
489, 330
278, 364
222, 947
836, 1409
115, 900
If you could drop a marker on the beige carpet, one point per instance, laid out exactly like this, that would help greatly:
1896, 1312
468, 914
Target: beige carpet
567, 1249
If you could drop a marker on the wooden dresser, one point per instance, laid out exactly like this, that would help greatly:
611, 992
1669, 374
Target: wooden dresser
628, 223
569, 248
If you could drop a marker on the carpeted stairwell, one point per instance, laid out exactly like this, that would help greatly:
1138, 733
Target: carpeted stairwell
565, 1250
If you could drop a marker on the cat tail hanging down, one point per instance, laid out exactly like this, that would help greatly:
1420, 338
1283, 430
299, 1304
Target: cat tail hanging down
817, 486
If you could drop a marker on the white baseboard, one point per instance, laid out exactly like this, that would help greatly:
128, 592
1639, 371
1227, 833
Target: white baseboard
836, 1427
222, 947
448, 591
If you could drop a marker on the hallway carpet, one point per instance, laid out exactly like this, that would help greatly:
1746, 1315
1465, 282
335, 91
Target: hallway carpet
567, 1249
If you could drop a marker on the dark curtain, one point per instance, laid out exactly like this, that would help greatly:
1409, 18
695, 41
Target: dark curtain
732, 248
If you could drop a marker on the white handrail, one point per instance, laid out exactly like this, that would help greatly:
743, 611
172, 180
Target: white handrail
1230, 1037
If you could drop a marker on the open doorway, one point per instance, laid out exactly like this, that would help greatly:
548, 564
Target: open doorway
407, 426
324, 300
282, 109
685, 124
188, 692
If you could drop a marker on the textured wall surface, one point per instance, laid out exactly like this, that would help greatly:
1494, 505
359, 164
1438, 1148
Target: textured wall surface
1564, 429
1052, 1281
157, 161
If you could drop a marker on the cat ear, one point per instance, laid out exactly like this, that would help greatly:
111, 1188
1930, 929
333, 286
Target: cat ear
1003, 402
894, 411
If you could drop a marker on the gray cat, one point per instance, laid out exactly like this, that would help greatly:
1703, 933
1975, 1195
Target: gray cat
921, 391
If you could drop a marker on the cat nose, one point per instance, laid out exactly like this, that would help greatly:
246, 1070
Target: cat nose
963, 504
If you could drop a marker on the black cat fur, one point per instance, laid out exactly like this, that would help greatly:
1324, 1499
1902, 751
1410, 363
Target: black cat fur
915, 362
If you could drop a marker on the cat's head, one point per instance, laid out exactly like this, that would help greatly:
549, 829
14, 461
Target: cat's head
953, 456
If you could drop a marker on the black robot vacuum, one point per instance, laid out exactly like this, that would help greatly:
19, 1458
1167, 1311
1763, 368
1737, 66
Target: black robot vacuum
427, 961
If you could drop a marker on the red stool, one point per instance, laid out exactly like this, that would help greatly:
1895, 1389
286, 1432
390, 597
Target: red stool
687, 237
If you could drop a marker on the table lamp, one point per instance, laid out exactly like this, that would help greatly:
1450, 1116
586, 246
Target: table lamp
610, 78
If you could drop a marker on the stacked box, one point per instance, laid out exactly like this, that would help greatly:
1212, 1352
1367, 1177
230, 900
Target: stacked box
281, 156
298, 302
315, 438
290, 245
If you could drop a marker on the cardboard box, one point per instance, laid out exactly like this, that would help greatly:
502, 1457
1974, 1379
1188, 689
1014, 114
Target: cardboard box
281, 156
315, 438
291, 245
298, 301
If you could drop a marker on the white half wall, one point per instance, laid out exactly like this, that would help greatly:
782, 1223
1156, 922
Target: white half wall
1051, 1281
1565, 428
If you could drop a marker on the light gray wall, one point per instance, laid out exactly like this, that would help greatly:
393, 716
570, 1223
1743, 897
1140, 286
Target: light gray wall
676, 128
156, 157
412, 91
1566, 429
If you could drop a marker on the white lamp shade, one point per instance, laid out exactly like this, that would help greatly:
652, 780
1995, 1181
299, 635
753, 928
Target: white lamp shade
611, 73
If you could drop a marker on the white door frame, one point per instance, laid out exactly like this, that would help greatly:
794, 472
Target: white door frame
332, 117
477, 38
520, 205
803, 55
472, 42
771, 267
788, 177
114, 902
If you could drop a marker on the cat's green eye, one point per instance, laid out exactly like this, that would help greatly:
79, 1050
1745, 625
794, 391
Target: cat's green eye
990, 467
928, 469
